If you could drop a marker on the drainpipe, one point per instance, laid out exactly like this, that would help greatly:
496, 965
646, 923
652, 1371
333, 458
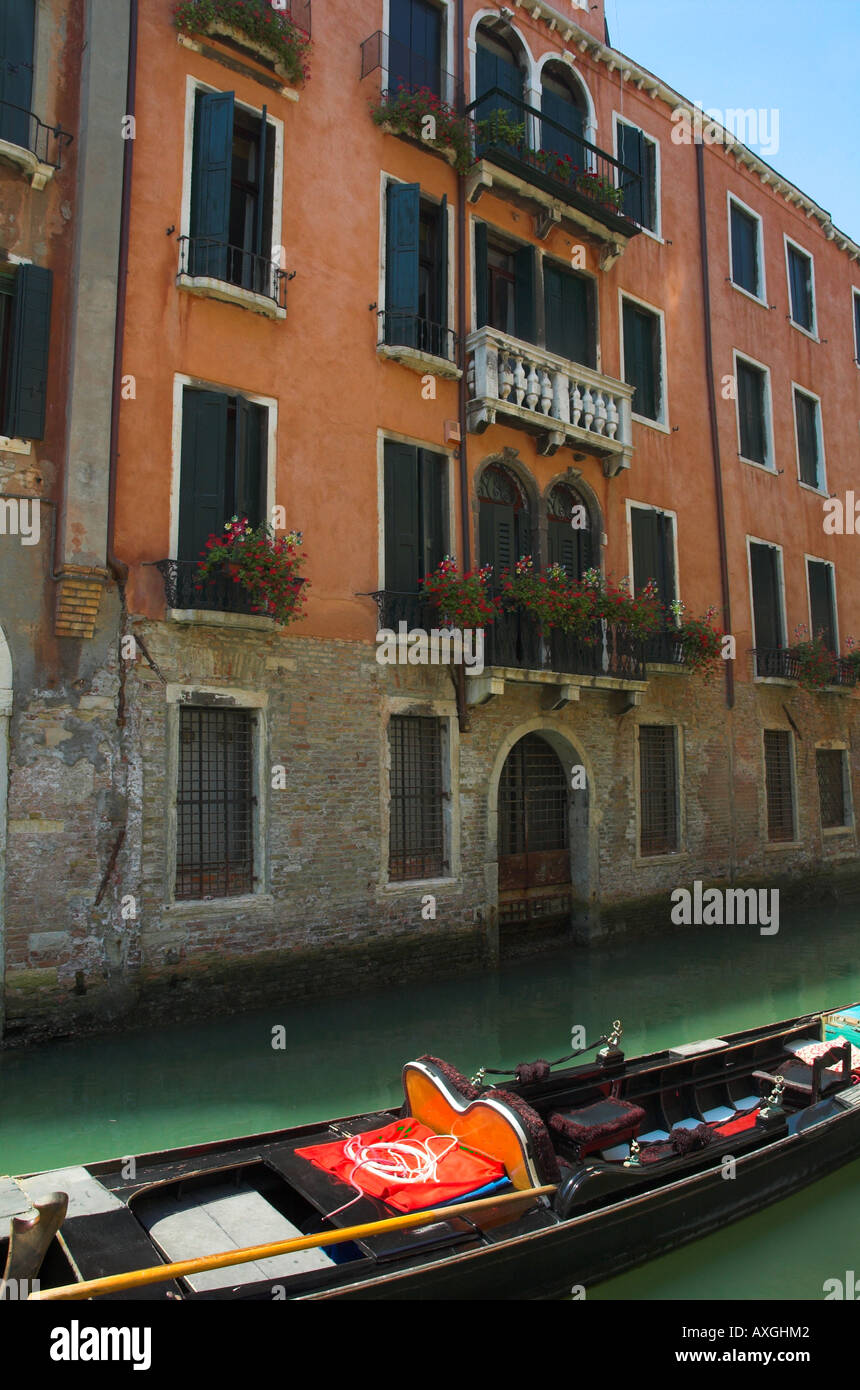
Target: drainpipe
115, 565
460, 272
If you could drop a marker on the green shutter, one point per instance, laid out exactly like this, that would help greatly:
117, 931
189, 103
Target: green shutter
567, 302
641, 368
631, 152
251, 449
567, 115
821, 602
800, 285
482, 276
750, 382
401, 264
442, 274
497, 537
744, 244
203, 479
524, 266
432, 491
210, 183
17, 31
563, 547
27, 383
767, 620
806, 416
646, 548
402, 519
666, 545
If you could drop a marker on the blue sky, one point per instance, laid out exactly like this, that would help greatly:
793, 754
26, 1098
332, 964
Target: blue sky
792, 56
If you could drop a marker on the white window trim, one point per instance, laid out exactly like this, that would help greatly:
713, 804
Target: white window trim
178, 696
848, 828
759, 540
807, 332
180, 381
681, 852
531, 78
445, 713
391, 436
662, 422
855, 326
794, 842
817, 560
769, 466
619, 119
446, 64
821, 490
384, 180
630, 505
566, 60
192, 86
760, 262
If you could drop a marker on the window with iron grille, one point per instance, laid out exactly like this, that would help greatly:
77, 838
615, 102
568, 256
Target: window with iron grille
830, 763
417, 829
778, 784
658, 789
214, 804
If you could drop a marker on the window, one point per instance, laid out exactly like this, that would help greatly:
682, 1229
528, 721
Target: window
232, 194
807, 423
768, 623
17, 32
504, 528
658, 789
214, 804
504, 286
638, 152
752, 407
416, 834
745, 241
822, 602
498, 77
25, 325
832, 788
855, 297
570, 316
223, 465
564, 106
414, 515
800, 287
778, 784
414, 46
416, 271
643, 369
653, 541
570, 546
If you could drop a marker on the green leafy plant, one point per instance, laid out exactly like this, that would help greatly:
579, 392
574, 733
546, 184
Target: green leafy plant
406, 110
599, 187
462, 599
499, 128
265, 564
258, 21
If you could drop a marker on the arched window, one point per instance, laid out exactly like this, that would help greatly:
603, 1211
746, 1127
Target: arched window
563, 103
503, 526
568, 544
498, 74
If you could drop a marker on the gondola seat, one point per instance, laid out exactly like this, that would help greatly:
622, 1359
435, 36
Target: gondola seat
600, 1125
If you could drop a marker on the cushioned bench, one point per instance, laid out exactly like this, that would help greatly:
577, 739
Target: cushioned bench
595, 1126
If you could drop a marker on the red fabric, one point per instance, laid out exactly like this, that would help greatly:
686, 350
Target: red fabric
739, 1125
460, 1171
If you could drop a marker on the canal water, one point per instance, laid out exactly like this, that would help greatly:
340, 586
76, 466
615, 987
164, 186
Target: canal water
78, 1101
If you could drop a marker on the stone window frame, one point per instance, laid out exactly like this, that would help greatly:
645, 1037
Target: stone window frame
769, 465
178, 696
682, 852
384, 436
849, 828
662, 423
798, 390
774, 846
618, 118
761, 298
445, 711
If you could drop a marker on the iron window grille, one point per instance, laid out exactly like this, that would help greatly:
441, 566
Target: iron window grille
533, 805
830, 765
658, 789
778, 784
417, 832
215, 804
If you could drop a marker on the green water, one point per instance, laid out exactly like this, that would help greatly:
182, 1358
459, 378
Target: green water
74, 1102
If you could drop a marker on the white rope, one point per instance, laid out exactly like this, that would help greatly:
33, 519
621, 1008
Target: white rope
402, 1161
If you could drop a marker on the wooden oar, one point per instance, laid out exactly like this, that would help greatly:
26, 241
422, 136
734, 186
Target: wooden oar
135, 1279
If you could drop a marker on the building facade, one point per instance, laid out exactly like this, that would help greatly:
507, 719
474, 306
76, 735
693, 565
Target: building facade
474, 284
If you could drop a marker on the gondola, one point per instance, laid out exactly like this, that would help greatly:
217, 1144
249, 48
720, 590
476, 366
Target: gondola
537, 1186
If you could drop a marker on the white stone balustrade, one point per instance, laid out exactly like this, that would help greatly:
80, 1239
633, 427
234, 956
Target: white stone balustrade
561, 401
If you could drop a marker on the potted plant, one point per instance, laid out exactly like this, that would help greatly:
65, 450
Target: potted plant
499, 128
700, 641
406, 112
550, 598
814, 662
253, 24
266, 565
462, 599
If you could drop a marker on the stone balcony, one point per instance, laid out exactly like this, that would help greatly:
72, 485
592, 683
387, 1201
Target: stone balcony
560, 402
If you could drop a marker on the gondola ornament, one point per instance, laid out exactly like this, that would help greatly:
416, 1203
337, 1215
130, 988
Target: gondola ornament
633, 1161
478, 1078
773, 1107
612, 1051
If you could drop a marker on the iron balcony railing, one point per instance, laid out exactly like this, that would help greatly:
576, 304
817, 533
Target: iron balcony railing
218, 592
403, 70
397, 329
785, 663
21, 127
206, 257
515, 639
552, 157
665, 648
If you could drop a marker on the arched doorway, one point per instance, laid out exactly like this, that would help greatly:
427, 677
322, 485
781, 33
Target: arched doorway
5, 713
541, 834
504, 535
571, 546
499, 74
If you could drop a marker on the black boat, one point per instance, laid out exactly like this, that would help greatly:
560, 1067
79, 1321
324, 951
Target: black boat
600, 1166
